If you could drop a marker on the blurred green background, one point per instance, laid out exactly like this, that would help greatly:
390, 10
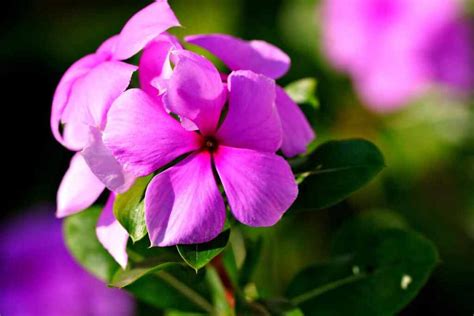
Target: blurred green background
429, 145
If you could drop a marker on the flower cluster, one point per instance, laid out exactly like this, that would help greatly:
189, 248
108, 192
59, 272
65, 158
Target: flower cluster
201, 133
395, 50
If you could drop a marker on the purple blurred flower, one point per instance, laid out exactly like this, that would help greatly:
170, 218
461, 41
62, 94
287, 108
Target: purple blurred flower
396, 49
39, 277
183, 204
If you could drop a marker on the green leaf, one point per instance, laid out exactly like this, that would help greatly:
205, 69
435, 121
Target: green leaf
252, 256
303, 91
129, 209
81, 239
379, 270
335, 170
280, 307
198, 255
167, 286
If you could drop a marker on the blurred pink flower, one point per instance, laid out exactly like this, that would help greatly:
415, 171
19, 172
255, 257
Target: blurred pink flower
391, 48
183, 204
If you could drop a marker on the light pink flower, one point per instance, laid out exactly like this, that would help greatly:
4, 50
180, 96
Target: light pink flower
183, 203
81, 102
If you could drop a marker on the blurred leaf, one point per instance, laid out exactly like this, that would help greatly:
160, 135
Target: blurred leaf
230, 265
198, 255
335, 170
81, 240
252, 256
281, 307
167, 286
355, 233
303, 91
379, 270
178, 313
129, 209
218, 292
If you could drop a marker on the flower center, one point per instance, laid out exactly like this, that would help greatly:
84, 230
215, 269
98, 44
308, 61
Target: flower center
210, 143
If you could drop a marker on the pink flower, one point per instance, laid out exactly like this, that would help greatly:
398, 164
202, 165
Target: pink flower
183, 203
387, 47
81, 103
264, 58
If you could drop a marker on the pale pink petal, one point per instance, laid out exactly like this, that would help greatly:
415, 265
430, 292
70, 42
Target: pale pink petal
259, 186
155, 63
183, 204
252, 120
65, 86
94, 93
143, 27
79, 188
104, 165
111, 234
258, 56
297, 132
76, 135
142, 136
195, 90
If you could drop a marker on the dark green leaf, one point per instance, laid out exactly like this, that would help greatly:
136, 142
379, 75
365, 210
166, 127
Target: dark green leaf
252, 255
167, 286
198, 255
383, 269
335, 170
230, 266
129, 209
81, 239
281, 307
303, 91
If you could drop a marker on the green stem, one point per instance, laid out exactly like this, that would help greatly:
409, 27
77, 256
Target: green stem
326, 288
186, 291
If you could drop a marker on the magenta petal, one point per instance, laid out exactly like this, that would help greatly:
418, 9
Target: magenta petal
65, 86
183, 204
104, 165
154, 62
258, 56
297, 132
252, 120
111, 234
94, 93
259, 186
79, 188
143, 27
142, 136
195, 90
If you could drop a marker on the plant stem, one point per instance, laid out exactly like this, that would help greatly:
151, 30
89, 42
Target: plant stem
186, 291
325, 288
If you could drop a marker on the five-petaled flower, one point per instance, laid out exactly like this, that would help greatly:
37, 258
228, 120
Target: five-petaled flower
183, 204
